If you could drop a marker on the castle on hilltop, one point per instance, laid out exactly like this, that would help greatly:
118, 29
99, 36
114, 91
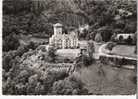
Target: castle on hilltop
63, 40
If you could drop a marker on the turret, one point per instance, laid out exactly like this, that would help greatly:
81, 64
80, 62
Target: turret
57, 28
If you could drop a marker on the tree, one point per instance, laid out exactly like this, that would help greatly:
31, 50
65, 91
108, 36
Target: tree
11, 42
130, 26
8, 87
9, 58
69, 86
20, 89
91, 49
110, 46
78, 62
23, 76
83, 34
6, 62
51, 54
98, 37
39, 89
86, 60
113, 37
135, 50
119, 24
121, 38
135, 39
32, 45
21, 50
106, 32
129, 40
16, 6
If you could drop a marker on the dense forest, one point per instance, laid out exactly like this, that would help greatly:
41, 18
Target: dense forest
37, 17
24, 17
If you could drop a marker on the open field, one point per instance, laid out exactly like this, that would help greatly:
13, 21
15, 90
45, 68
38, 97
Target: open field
108, 80
124, 50
24, 39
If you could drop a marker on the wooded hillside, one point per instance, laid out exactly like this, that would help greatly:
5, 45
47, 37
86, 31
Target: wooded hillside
38, 16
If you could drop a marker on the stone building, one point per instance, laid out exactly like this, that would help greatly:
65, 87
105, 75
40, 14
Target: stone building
83, 27
63, 40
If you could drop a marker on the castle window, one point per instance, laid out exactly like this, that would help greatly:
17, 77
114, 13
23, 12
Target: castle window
67, 45
74, 41
59, 43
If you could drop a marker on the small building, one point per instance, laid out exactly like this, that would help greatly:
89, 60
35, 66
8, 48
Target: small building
124, 35
63, 40
83, 27
125, 38
83, 46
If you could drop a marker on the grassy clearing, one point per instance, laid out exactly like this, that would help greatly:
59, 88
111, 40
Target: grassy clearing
108, 80
25, 39
124, 50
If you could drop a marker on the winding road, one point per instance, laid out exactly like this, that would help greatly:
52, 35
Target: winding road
105, 52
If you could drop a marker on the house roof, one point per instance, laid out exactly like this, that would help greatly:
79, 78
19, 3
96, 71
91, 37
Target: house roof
57, 25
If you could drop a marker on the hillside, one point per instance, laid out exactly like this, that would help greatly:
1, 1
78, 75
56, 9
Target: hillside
38, 16
30, 67
80, 11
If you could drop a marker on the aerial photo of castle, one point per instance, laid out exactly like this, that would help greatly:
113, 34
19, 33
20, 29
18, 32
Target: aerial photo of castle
69, 47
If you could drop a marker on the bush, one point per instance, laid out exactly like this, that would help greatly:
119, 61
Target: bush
129, 40
67, 60
134, 79
10, 56
83, 60
10, 42
87, 61
69, 86
51, 54
98, 37
121, 39
110, 45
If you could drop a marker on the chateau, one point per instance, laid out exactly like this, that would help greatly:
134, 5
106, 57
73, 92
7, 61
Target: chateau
63, 40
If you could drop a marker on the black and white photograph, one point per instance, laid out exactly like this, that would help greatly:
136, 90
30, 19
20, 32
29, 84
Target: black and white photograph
69, 47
